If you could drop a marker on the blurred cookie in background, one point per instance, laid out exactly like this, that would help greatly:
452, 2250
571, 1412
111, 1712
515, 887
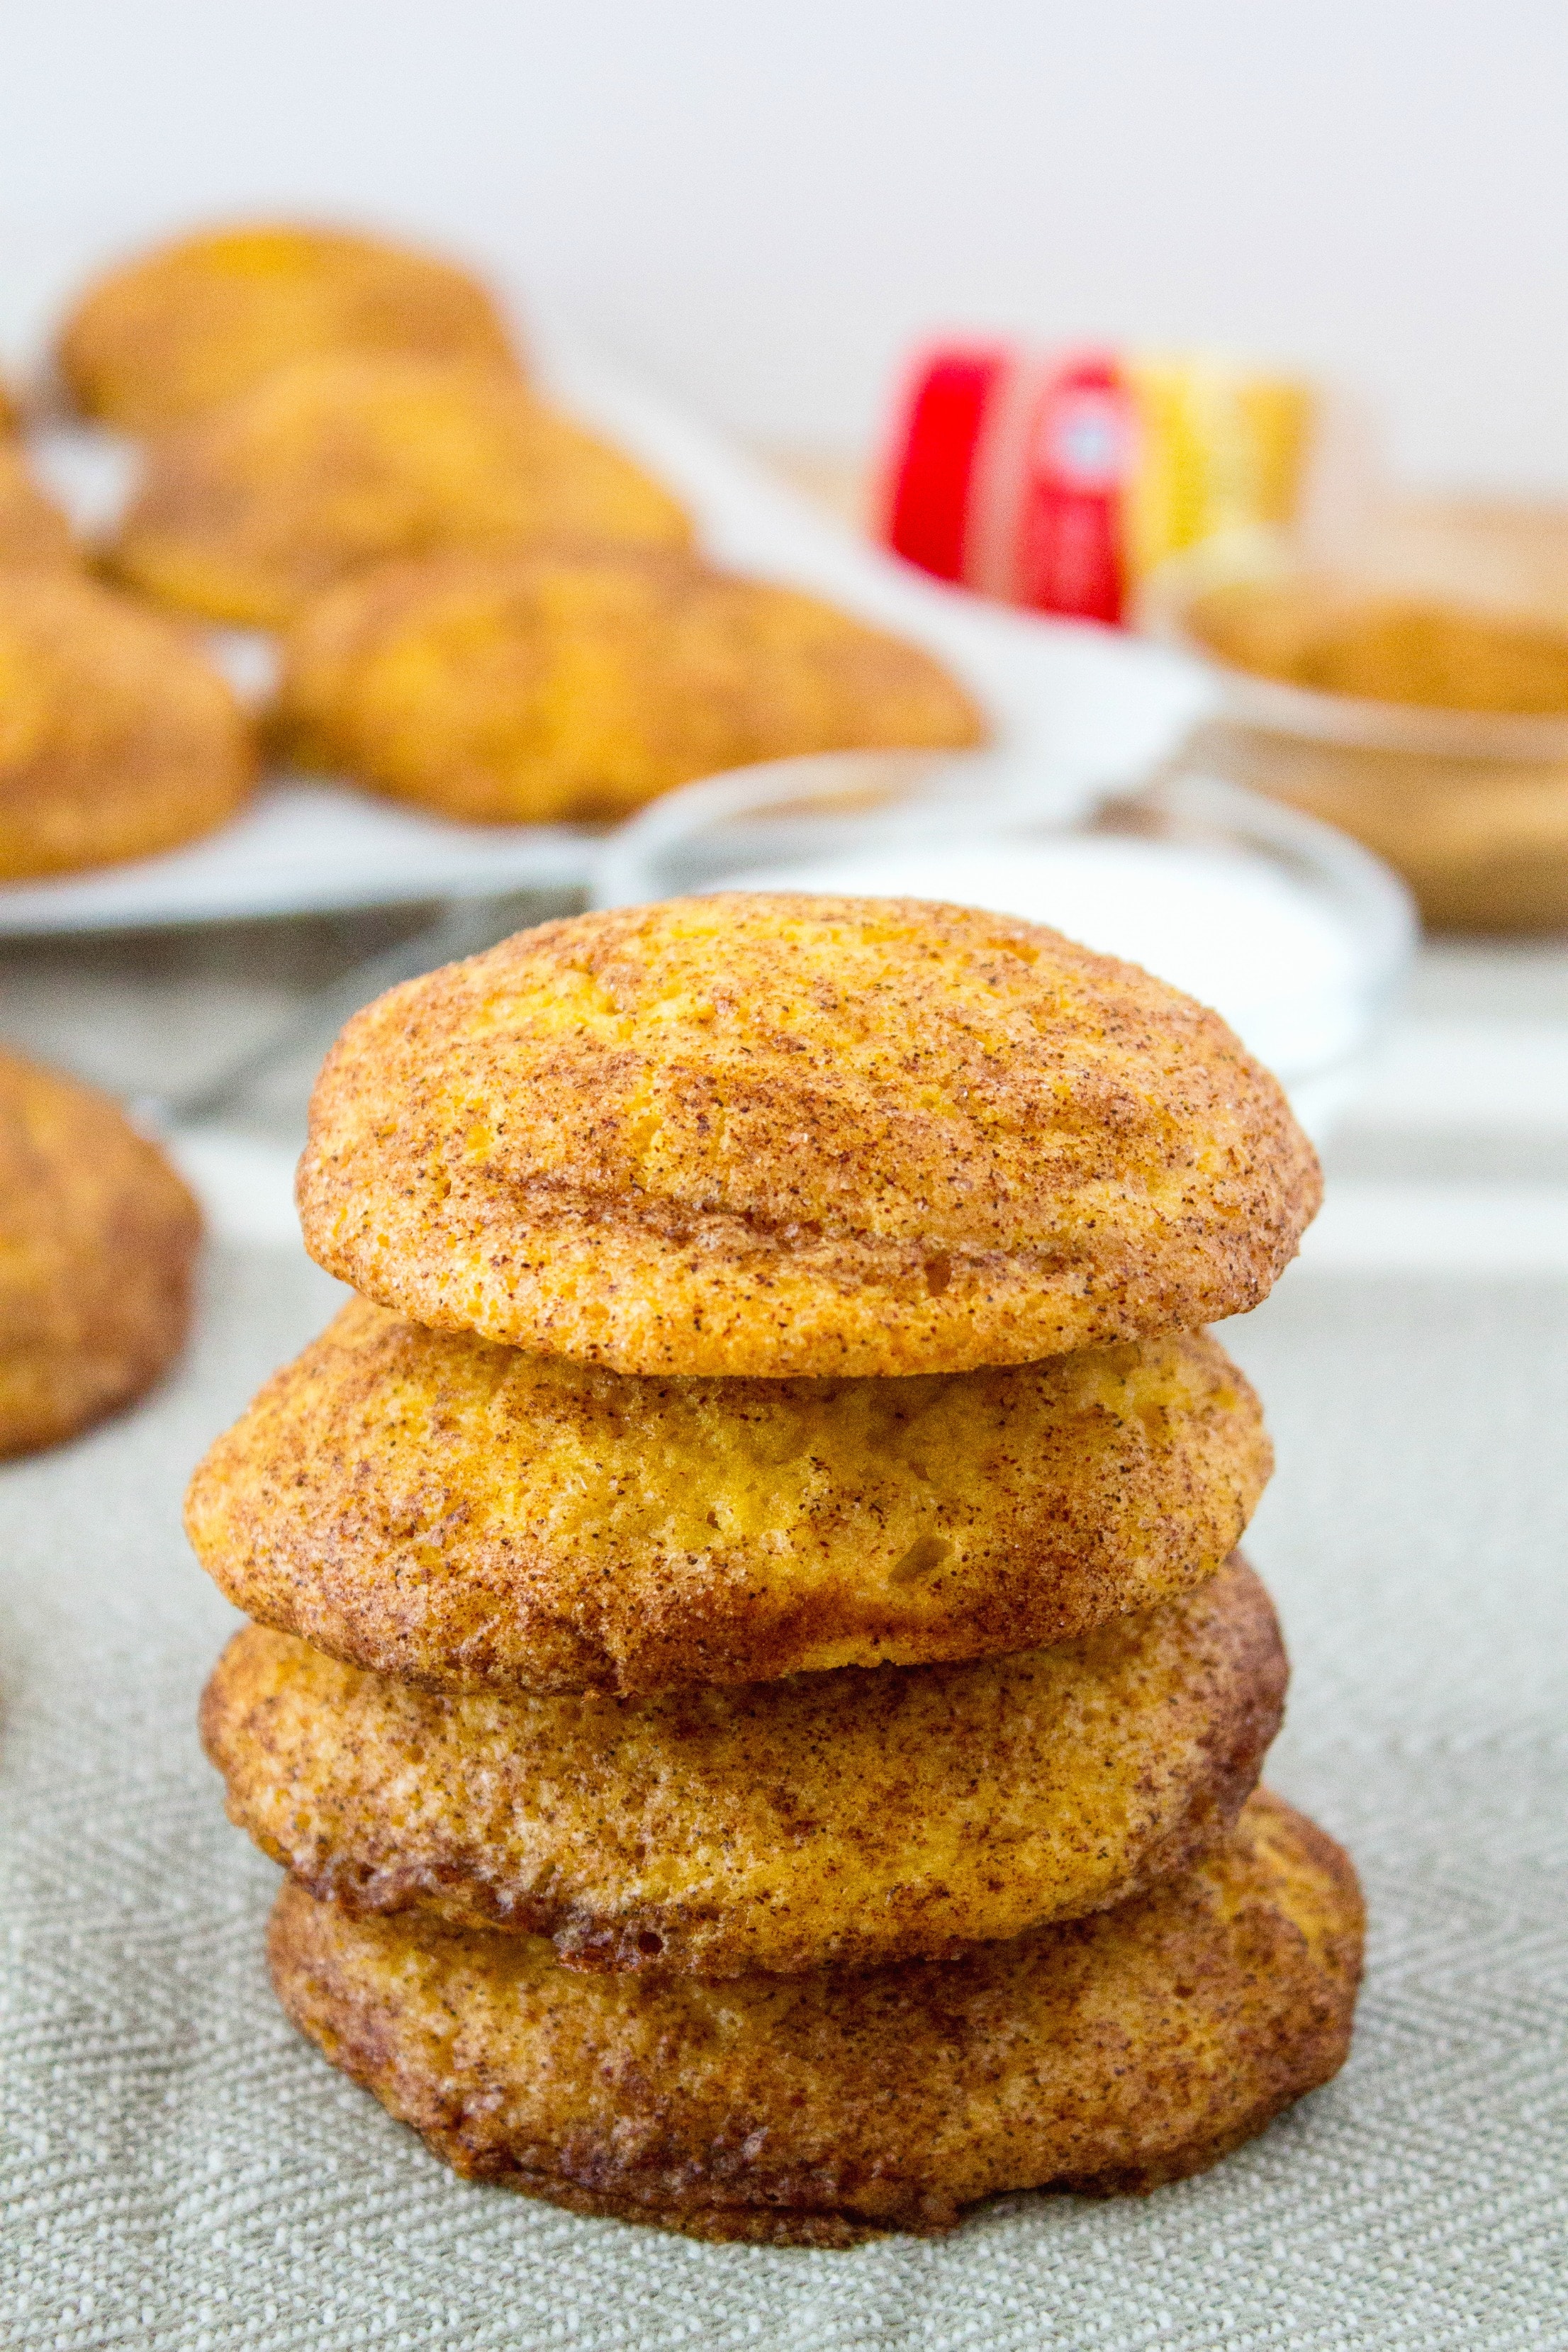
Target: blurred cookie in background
117, 738
33, 532
97, 1244
1380, 646
583, 682
182, 330
335, 464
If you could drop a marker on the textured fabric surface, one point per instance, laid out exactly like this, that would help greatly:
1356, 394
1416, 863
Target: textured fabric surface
178, 2170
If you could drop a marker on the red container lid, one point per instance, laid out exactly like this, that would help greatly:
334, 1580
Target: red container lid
1007, 474
937, 430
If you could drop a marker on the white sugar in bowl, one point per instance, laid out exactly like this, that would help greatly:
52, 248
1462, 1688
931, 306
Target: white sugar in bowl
1295, 934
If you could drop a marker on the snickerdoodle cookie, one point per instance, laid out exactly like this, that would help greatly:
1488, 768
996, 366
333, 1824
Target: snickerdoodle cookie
1105, 2054
334, 463
98, 1240
579, 683
842, 1819
759, 1134
465, 1515
181, 330
117, 738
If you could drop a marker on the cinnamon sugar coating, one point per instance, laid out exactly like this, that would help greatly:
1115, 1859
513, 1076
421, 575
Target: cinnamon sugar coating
1104, 2055
842, 1819
97, 1244
759, 1134
117, 739
467, 1516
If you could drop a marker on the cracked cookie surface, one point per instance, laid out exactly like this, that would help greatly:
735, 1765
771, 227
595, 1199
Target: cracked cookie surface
762, 1134
434, 1506
840, 1819
1107, 2054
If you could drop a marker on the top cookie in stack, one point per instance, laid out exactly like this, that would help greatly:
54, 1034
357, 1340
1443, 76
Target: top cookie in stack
769, 1135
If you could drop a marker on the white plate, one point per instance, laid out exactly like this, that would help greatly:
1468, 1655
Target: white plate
1092, 705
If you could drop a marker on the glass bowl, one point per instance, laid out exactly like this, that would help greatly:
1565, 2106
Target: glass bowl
1471, 807
1297, 936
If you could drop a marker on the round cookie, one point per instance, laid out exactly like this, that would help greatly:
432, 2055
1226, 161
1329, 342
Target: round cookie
1369, 645
182, 329
97, 1244
438, 1508
116, 738
759, 1134
334, 463
34, 534
843, 1819
1110, 2054
579, 683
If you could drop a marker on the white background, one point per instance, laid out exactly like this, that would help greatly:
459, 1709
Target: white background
761, 205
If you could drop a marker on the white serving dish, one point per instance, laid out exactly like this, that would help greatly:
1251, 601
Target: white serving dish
1300, 938
1094, 705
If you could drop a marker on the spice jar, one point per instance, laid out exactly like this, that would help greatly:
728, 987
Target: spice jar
1058, 480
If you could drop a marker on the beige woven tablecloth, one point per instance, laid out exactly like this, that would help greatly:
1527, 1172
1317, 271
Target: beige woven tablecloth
179, 2170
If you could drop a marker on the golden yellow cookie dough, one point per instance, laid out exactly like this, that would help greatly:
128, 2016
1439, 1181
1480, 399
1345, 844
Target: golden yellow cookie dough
117, 738
97, 1244
34, 534
580, 683
761, 1135
179, 331
843, 1819
332, 464
433, 1506
1378, 646
1110, 2054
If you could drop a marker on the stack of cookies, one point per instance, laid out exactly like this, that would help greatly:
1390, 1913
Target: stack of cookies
751, 1676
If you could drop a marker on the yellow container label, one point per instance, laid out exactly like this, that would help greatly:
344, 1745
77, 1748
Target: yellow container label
1217, 448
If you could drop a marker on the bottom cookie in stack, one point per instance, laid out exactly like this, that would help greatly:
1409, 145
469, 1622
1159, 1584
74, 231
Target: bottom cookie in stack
1103, 2054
